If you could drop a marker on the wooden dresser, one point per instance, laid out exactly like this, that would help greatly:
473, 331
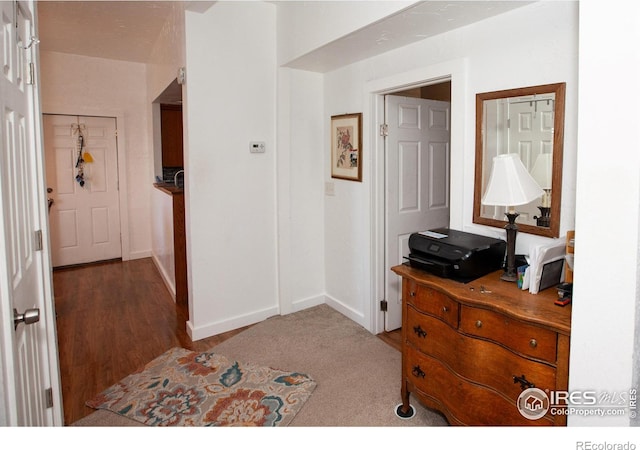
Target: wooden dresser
469, 350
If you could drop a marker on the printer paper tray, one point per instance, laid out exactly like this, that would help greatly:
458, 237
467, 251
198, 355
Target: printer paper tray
447, 269
440, 268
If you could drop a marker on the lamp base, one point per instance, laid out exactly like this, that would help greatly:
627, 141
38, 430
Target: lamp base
544, 220
510, 273
508, 277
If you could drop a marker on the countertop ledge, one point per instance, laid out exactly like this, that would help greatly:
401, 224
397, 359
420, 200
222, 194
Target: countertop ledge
168, 188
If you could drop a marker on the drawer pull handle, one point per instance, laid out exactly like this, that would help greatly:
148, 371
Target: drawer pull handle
412, 294
524, 383
417, 372
445, 309
419, 331
533, 343
478, 323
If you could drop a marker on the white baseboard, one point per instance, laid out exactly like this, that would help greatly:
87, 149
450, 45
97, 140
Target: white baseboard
345, 310
138, 255
165, 277
309, 302
233, 323
212, 329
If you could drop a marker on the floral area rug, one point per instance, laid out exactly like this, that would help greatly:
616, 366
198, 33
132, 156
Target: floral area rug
186, 388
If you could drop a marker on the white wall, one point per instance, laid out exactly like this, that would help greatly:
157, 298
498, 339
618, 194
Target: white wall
607, 241
73, 84
300, 158
163, 250
492, 63
231, 194
166, 58
167, 54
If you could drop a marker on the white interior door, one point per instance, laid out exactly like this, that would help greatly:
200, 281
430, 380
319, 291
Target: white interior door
417, 182
25, 274
530, 135
523, 127
85, 213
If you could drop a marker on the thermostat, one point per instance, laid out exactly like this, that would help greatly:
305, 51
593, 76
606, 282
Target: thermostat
257, 147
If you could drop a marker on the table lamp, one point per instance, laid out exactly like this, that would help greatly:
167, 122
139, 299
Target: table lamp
541, 172
510, 184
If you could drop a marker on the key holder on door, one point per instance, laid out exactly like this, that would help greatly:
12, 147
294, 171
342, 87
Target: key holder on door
77, 129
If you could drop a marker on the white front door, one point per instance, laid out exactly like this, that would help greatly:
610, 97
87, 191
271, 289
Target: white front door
29, 353
417, 183
83, 184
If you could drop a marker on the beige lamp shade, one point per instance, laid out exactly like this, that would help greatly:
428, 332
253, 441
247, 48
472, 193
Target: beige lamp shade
510, 183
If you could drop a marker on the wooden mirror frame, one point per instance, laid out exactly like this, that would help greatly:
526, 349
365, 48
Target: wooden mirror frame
558, 142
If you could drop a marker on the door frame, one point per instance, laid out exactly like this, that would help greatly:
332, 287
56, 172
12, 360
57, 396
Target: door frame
122, 161
456, 72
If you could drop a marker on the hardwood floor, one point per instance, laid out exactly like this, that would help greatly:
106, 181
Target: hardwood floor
393, 338
114, 317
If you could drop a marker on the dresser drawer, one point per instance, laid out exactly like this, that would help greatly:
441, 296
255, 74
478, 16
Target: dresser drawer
459, 399
432, 336
482, 361
519, 336
432, 302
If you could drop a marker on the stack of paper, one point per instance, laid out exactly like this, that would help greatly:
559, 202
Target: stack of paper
539, 255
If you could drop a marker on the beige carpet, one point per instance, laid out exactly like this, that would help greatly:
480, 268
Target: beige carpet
357, 375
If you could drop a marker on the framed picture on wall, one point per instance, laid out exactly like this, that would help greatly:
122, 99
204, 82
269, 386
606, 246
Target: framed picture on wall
346, 147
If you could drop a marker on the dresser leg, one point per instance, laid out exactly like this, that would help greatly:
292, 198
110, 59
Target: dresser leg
404, 410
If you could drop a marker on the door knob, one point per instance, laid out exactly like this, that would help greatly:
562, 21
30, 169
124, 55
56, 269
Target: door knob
30, 316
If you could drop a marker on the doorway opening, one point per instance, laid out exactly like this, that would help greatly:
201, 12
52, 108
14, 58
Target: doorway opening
416, 177
451, 74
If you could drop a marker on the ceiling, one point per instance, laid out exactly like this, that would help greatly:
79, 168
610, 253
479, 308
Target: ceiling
122, 30
126, 30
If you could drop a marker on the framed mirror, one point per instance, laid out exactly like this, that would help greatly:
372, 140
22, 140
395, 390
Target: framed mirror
528, 121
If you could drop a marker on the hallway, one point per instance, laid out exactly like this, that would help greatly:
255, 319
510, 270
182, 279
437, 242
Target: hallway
113, 318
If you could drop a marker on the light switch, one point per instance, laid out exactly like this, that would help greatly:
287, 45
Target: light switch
257, 147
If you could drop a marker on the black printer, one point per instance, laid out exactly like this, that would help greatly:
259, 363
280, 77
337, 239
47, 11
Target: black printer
455, 254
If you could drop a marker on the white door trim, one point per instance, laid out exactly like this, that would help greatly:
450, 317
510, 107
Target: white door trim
47, 278
122, 161
375, 90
